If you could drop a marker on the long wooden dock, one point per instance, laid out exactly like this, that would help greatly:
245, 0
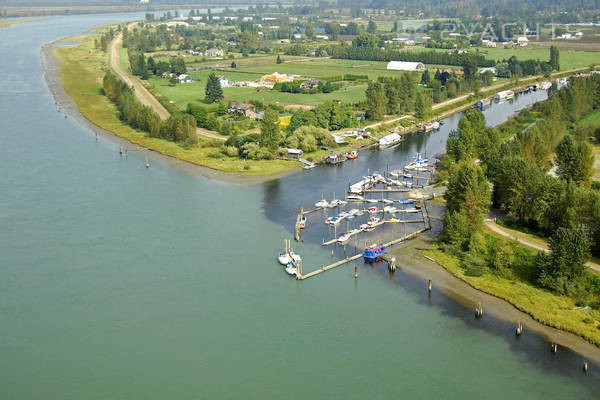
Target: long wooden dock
409, 221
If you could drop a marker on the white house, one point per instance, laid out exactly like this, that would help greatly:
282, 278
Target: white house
224, 82
522, 41
490, 69
185, 78
488, 43
405, 66
322, 37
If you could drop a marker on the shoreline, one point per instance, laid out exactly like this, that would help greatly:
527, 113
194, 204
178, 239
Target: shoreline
415, 264
53, 81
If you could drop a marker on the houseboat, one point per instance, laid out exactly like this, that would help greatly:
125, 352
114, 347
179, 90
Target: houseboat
390, 140
335, 159
504, 95
373, 252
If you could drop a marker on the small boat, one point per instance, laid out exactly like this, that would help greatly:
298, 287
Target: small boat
364, 226
372, 201
360, 213
295, 257
354, 231
353, 211
344, 238
373, 252
397, 173
343, 215
309, 166
291, 269
373, 221
353, 155
284, 258
333, 220
390, 209
410, 210
373, 210
406, 201
337, 202
354, 197
387, 201
322, 204
409, 184
302, 223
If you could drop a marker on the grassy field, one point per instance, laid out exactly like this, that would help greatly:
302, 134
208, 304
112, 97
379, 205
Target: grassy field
569, 59
82, 69
550, 309
591, 118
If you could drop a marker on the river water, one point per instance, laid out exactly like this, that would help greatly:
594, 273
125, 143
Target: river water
125, 283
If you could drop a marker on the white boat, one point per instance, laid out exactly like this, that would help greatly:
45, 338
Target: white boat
309, 166
354, 197
390, 209
407, 176
364, 226
373, 221
410, 210
322, 204
397, 173
390, 140
504, 95
344, 238
353, 211
373, 210
291, 269
337, 202
387, 201
342, 215
354, 231
284, 258
333, 220
360, 213
372, 201
545, 85
295, 257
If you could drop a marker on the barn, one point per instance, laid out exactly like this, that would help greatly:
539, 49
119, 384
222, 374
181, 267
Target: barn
405, 66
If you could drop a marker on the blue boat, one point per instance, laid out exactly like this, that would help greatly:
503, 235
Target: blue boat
406, 201
373, 252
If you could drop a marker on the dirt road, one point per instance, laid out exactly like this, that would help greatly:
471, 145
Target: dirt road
143, 95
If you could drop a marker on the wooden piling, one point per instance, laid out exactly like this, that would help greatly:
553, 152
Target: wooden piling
356, 272
585, 367
429, 287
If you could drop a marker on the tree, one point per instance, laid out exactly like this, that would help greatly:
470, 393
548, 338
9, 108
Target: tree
395, 27
279, 60
554, 58
575, 161
564, 266
469, 193
372, 27
425, 78
376, 101
233, 64
213, 91
422, 106
366, 40
269, 129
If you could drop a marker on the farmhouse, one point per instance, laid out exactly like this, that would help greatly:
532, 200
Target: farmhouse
245, 109
405, 66
310, 84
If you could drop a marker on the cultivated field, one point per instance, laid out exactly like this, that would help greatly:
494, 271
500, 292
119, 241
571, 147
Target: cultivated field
569, 59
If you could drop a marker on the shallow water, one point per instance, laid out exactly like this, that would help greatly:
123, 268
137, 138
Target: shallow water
121, 282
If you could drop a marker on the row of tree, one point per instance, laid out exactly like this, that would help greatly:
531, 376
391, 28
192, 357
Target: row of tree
394, 96
177, 128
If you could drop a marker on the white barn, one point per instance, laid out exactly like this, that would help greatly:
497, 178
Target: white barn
405, 66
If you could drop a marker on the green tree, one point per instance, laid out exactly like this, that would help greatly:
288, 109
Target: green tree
575, 161
425, 78
376, 101
564, 266
422, 105
233, 64
469, 193
366, 40
395, 27
213, 91
372, 27
279, 59
269, 129
554, 58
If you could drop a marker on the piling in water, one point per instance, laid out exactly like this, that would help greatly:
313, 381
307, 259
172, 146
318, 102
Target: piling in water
429, 286
585, 367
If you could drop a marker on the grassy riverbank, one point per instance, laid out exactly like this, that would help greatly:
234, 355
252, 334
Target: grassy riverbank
553, 310
82, 68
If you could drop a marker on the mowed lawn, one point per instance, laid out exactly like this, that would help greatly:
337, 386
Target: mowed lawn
569, 59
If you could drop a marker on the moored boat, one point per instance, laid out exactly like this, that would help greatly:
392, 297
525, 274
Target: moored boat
291, 269
390, 140
373, 252
353, 155
322, 204
284, 258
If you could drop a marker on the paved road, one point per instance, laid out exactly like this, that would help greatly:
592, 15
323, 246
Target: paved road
503, 232
143, 95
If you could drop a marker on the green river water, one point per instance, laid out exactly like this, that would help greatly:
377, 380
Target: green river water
118, 282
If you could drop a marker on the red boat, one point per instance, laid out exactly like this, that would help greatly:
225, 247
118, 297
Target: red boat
353, 155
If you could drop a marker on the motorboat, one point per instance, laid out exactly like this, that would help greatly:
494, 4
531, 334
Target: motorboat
284, 258
364, 226
302, 223
354, 197
353, 155
373, 221
406, 201
407, 176
338, 202
372, 201
344, 238
390, 209
322, 204
373, 252
291, 269
373, 210
387, 201
410, 210
295, 257
353, 211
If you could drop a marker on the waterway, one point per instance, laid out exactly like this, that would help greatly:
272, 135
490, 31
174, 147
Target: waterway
122, 282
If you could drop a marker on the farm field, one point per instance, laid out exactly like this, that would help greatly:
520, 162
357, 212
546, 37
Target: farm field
569, 59
183, 94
